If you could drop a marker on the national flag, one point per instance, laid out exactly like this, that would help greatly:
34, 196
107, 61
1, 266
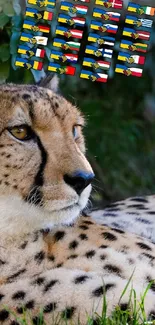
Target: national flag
26, 50
98, 52
137, 59
97, 25
140, 10
82, 1
106, 40
88, 62
34, 13
42, 3
24, 63
63, 31
28, 24
136, 72
136, 34
73, 46
55, 67
118, 4
66, 19
139, 47
63, 57
138, 22
40, 40
106, 15
78, 9
99, 77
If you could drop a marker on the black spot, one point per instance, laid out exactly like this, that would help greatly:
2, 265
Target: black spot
4, 314
68, 313
133, 213
14, 323
39, 257
51, 258
108, 236
87, 222
149, 256
2, 262
139, 199
20, 310
108, 214
26, 96
83, 227
90, 254
151, 315
151, 212
15, 275
1, 296
59, 235
118, 230
50, 307
102, 289
112, 269
37, 320
137, 206
24, 245
29, 304
123, 307
144, 246
103, 257
73, 244
19, 295
50, 284
83, 236
39, 281
151, 282
80, 279
59, 265
73, 256
112, 209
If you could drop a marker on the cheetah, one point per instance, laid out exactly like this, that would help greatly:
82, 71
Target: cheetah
54, 257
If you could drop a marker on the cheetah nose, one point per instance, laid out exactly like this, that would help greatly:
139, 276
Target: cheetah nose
79, 180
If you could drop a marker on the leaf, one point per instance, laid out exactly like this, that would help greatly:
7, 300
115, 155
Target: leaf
4, 71
3, 20
4, 52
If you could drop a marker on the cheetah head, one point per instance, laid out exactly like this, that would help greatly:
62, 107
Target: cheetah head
44, 177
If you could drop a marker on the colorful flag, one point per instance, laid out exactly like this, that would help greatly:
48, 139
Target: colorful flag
137, 59
118, 4
99, 77
88, 62
64, 57
24, 63
40, 40
136, 72
136, 34
26, 50
106, 40
63, 31
66, 19
28, 24
34, 13
73, 46
44, 3
97, 25
55, 67
138, 22
98, 52
139, 47
79, 9
140, 10
82, 1
106, 15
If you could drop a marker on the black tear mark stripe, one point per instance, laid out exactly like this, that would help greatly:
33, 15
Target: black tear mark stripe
35, 195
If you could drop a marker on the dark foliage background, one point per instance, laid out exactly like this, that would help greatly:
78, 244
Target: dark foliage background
120, 115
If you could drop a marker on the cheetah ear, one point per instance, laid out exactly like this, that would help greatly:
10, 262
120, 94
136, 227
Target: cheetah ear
51, 82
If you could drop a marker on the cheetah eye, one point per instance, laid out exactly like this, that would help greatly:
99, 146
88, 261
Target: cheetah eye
75, 132
21, 132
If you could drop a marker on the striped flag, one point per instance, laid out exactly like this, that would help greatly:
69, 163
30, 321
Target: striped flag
136, 72
138, 22
55, 67
79, 9
139, 47
66, 19
40, 40
28, 24
73, 46
88, 62
63, 57
34, 13
97, 25
136, 34
118, 4
140, 10
44, 3
63, 31
137, 59
98, 77
106, 40
24, 63
98, 52
106, 15
26, 50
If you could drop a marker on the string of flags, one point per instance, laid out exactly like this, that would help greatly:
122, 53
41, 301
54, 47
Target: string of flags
69, 35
